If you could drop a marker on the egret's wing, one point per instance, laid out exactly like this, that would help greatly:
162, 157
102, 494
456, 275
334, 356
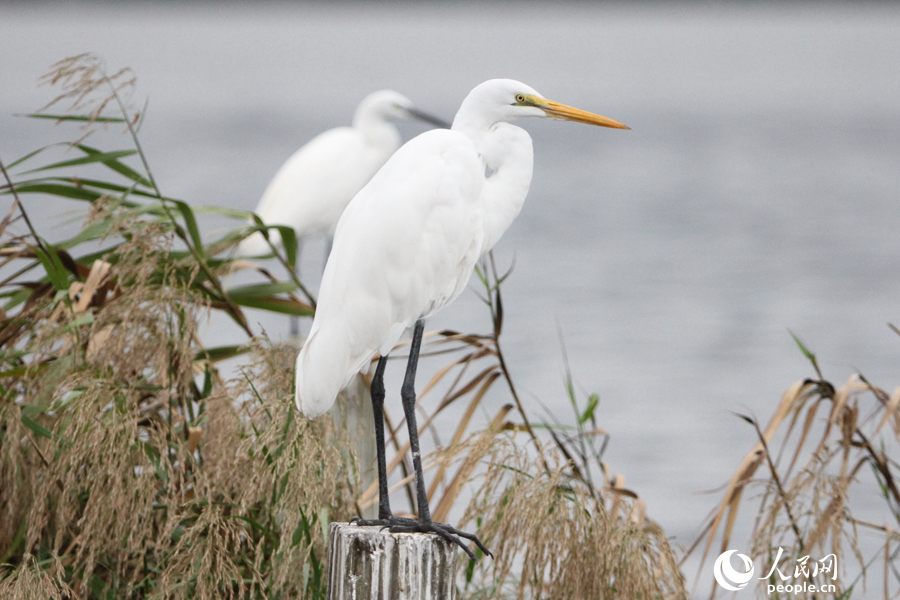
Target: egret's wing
403, 248
312, 188
410, 237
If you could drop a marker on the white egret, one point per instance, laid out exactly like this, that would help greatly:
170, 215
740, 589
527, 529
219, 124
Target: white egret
311, 189
406, 246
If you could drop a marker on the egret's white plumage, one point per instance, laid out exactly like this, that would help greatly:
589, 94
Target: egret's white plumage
311, 189
407, 243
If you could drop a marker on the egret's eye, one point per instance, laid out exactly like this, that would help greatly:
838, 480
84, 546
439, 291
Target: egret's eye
520, 98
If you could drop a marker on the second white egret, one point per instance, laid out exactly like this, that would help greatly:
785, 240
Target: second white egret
311, 189
406, 246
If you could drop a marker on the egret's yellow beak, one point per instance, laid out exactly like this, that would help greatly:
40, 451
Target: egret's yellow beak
567, 113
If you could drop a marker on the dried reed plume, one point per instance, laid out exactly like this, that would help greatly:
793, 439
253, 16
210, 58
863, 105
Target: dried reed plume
121, 445
822, 448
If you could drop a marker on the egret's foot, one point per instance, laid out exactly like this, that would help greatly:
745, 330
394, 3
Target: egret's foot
449, 533
407, 525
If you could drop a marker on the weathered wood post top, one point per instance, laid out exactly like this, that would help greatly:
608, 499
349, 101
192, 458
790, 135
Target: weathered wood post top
370, 563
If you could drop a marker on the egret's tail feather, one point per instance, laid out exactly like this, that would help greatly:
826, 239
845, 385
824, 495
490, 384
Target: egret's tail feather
323, 369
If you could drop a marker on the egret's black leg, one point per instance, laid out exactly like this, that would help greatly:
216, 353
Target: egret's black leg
384, 502
424, 523
385, 518
408, 396
377, 393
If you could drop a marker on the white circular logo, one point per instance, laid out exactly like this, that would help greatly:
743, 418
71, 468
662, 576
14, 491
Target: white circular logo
727, 576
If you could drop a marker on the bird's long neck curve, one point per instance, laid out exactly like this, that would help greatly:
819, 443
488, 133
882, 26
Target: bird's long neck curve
475, 122
509, 160
378, 131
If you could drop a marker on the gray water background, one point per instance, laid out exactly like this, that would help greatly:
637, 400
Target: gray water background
756, 193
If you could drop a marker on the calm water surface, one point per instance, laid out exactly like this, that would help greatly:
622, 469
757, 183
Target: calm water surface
756, 193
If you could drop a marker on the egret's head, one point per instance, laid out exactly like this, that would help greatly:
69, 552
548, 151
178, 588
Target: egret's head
499, 100
388, 105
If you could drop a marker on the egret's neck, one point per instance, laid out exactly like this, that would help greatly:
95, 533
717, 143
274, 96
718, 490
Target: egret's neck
508, 158
475, 124
378, 132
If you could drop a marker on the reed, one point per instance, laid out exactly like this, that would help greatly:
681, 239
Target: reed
824, 450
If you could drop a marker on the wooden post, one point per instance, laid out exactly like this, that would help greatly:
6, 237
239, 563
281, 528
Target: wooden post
368, 563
